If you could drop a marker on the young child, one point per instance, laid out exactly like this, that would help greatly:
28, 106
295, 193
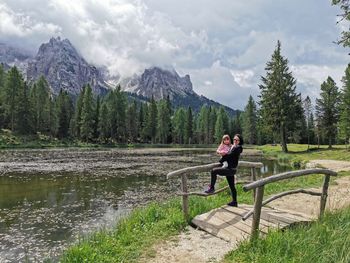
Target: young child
224, 148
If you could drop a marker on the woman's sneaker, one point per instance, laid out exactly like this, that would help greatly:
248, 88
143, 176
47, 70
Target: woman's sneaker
233, 203
210, 190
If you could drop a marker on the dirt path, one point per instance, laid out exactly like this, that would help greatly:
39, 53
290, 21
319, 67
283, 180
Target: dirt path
198, 246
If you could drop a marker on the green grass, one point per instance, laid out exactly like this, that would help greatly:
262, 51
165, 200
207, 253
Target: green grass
323, 241
298, 154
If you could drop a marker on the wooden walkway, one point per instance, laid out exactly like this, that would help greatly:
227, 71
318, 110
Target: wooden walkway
226, 222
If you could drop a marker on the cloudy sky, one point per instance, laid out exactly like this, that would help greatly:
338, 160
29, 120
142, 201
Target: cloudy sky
224, 44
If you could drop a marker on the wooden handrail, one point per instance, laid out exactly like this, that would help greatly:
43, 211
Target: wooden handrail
286, 175
185, 172
260, 185
208, 167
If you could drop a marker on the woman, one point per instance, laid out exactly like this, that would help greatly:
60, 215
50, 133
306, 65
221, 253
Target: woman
232, 159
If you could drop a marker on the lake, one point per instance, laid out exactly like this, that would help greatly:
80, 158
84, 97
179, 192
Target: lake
50, 198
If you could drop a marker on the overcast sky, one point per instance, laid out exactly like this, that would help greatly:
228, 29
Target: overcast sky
223, 45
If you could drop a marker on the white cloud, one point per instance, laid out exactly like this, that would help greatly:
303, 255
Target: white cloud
192, 36
22, 25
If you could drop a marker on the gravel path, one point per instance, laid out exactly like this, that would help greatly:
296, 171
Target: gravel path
198, 246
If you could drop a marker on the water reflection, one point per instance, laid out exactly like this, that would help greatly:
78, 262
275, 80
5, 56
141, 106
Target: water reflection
48, 198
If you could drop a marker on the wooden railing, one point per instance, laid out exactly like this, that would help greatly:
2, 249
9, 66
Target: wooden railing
259, 187
185, 172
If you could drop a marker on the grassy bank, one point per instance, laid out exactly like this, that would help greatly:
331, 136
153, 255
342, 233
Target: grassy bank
325, 241
135, 235
298, 154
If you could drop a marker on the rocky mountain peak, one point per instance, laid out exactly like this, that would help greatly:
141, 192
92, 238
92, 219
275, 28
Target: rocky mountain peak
160, 83
64, 68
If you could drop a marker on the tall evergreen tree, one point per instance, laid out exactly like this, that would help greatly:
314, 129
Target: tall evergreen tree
212, 121
179, 125
103, 123
75, 126
203, 125
23, 118
163, 127
96, 117
308, 116
143, 112
64, 107
219, 127
344, 120
327, 108
132, 122
188, 134
13, 84
40, 100
2, 99
151, 122
249, 124
345, 15
237, 124
87, 115
121, 101
278, 97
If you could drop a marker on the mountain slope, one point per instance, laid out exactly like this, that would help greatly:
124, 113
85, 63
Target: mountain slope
64, 68
161, 83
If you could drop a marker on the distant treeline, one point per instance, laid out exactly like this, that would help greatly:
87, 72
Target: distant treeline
281, 116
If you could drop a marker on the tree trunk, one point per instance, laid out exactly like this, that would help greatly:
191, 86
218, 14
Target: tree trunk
330, 143
283, 139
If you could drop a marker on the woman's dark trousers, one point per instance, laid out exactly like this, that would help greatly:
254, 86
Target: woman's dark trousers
229, 173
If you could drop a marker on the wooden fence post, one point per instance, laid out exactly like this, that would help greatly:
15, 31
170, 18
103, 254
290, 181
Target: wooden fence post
324, 194
257, 212
253, 179
185, 196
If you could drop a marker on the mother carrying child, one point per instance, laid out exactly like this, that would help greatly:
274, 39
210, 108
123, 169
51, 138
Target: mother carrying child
231, 157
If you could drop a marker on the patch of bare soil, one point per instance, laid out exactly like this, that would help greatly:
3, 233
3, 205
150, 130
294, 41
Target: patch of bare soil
198, 246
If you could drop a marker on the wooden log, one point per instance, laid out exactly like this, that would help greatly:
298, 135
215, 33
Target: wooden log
253, 175
257, 211
216, 192
184, 189
287, 175
208, 167
247, 215
324, 194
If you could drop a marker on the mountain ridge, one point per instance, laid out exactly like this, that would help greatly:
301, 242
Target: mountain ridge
64, 68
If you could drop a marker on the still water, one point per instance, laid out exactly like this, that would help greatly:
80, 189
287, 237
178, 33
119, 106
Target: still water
51, 198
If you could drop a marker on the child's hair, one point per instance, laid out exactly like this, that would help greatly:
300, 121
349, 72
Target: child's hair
224, 137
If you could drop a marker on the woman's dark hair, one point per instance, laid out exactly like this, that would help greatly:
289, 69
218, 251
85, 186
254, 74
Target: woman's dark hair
240, 138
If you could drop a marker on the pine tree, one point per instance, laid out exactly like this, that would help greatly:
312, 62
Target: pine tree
219, 127
132, 122
203, 125
64, 113
151, 121
121, 114
40, 100
237, 124
188, 126
179, 125
163, 127
308, 115
249, 124
2, 87
278, 97
344, 120
103, 123
212, 121
142, 117
13, 84
96, 117
75, 126
327, 108
87, 115
23, 118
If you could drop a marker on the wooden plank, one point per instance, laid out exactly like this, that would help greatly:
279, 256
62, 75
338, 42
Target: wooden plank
216, 226
226, 222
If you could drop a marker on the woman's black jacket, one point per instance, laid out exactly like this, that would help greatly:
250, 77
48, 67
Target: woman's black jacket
232, 156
